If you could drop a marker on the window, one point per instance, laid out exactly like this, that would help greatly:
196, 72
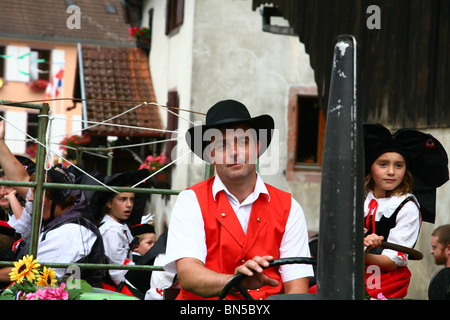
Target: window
150, 18
33, 124
110, 8
306, 131
40, 64
174, 15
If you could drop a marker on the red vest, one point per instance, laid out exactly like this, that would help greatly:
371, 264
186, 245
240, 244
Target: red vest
227, 244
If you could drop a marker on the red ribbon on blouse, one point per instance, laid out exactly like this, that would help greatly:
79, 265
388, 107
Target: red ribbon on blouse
373, 207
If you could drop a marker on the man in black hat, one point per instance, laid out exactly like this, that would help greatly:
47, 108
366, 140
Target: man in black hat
235, 223
67, 235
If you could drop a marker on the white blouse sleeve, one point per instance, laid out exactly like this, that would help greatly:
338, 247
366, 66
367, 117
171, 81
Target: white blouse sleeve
405, 232
67, 243
117, 251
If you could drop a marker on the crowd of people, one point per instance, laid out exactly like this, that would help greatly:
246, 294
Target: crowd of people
77, 226
229, 224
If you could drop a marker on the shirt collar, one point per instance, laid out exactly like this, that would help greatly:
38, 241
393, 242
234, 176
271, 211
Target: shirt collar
260, 188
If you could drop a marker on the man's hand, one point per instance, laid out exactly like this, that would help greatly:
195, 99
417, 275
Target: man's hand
254, 270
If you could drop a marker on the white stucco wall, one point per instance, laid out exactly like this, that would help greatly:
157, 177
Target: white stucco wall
221, 52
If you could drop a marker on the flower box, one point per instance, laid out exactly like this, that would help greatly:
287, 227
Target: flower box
38, 85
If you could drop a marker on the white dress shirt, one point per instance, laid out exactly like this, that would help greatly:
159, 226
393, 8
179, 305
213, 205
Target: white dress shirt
66, 244
187, 238
116, 240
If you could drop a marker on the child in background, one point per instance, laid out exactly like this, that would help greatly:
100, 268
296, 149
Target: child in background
144, 239
392, 213
112, 210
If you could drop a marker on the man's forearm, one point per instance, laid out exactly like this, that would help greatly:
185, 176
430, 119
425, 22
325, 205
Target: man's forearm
199, 280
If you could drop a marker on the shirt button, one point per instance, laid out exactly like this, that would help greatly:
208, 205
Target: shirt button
223, 215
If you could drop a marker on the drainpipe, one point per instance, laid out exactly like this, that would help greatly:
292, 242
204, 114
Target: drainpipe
83, 93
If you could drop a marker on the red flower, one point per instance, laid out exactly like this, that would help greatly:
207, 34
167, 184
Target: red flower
138, 32
153, 164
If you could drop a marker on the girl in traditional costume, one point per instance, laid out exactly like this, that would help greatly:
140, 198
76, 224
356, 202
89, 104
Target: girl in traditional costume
112, 211
403, 171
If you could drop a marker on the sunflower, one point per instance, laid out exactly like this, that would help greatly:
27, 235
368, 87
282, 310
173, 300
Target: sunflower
24, 268
46, 278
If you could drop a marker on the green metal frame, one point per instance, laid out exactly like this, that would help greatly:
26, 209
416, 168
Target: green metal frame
39, 185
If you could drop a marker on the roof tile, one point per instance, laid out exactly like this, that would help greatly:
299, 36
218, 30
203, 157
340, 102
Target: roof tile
113, 75
47, 19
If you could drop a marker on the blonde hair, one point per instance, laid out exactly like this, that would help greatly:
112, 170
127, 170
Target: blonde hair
403, 188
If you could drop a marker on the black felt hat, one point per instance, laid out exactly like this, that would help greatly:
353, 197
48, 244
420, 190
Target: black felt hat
425, 158
27, 163
141, 228
59, 174
378, 140
226, 114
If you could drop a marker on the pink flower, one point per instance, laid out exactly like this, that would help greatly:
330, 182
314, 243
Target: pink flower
49, 293
380, 296
154, 163
163, 160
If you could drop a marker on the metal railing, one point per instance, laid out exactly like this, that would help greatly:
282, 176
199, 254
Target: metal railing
39, 185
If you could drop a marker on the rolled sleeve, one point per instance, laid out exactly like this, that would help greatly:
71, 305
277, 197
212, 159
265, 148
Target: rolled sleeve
295, 244
186, 236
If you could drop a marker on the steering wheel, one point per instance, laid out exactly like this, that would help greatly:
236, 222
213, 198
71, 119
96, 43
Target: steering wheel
235, 282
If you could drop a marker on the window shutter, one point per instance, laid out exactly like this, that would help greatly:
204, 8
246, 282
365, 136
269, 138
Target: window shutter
167, 17
17, 64
57, 61
15, 135
172, 122
180, 13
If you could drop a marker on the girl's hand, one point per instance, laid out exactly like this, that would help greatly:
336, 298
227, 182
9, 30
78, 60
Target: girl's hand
373, 240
